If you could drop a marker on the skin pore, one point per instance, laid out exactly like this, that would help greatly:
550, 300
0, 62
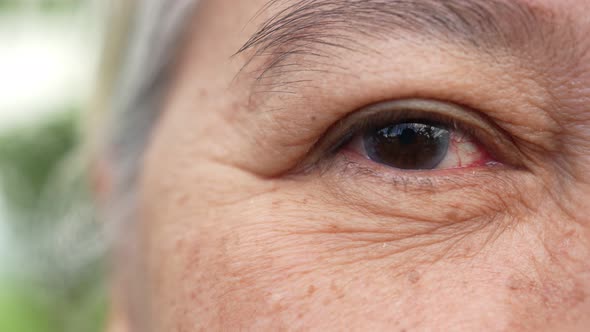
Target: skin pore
257, 211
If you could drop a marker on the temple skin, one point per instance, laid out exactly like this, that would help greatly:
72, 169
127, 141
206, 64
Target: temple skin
232, 235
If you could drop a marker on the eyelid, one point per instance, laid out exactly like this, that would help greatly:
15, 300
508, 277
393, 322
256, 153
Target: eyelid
469, 121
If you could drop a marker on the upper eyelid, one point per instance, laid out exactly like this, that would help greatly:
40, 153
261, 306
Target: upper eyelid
416, 109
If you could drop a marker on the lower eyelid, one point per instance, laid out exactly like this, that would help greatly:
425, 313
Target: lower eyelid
351, 164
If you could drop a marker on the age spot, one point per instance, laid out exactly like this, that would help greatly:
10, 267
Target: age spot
414, 276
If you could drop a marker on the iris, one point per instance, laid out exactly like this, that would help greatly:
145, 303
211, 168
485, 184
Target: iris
409, 146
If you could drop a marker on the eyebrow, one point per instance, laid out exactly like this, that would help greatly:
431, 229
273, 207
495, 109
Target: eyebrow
311, 27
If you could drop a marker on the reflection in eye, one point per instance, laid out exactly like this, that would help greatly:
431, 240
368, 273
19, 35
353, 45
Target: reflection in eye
420, 146
407, 145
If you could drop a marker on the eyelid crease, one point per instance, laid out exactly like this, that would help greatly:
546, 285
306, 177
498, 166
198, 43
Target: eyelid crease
493, 138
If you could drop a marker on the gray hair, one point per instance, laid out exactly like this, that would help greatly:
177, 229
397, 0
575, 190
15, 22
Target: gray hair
62, 253
152, 47
148, 54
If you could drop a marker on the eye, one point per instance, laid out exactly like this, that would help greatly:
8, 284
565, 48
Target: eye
419, 145
418, 134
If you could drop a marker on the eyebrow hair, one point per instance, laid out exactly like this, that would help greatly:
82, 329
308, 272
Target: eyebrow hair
311, 27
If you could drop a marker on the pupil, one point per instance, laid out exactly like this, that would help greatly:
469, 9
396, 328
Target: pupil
408, 145
407, 136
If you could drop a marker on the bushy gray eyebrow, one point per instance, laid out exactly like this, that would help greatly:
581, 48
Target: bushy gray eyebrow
311, 27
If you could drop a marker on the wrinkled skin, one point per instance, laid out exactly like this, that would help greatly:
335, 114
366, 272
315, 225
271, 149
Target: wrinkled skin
232, 235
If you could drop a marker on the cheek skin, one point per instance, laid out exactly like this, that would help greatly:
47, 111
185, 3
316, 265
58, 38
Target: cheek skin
285, 254
224, 249
228, 250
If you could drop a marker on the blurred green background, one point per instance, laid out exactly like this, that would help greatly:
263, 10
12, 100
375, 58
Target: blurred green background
51, 247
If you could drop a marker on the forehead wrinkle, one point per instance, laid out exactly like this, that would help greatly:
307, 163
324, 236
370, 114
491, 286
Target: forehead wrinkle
312, 28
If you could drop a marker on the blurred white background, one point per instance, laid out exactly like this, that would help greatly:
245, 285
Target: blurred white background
47, 58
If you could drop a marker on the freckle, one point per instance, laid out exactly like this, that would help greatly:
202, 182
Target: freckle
310, 290
334, 227
414, 276
313, 118
455, 205
452, 215
513, 284
467, 250
337, 291
333, 286
277, 307
203, 93
579, 296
